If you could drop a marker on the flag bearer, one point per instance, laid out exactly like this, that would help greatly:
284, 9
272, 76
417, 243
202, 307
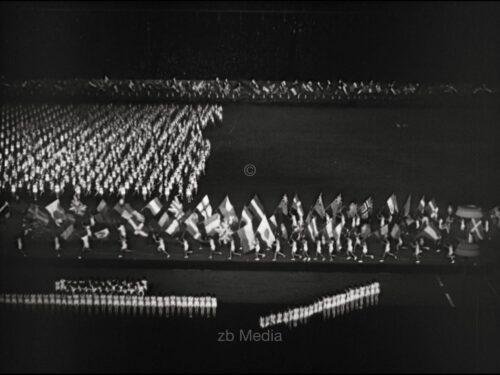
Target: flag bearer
387, 250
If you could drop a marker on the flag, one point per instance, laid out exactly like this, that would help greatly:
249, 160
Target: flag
338, 231
56, 211
336, 205
476, 228
366, 231
421, 205
176, 208
163, 220
284, 232
66, 234
384, 230
137, 226
172, 226
77, 206
432, 208
102, 234
273, 223
329, 228
246, 215
431, 231
192, 225
35, 213
353, 210
366, 208
225, 232
154, 206
204, 207
257, 208
392, 203
247, 237
312, 228
102, 206
266, 233
407, 206
212, 224
227, 210
396, 232
319, 207
283, 206
5, 210
297, 206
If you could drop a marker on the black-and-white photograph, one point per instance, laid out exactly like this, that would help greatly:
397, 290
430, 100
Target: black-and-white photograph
249, 187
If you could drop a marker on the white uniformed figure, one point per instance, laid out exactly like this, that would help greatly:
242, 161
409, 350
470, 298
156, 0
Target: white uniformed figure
122, 231
294, 250
232, 249
186, 248
213, 248
277, 248
258, 254
202, 305
305, 251
364, 252
451, 253
418, 252
387, 251
20, 246
196, 305
85, 245
57, 246
160, 304
161, 246
350, 249
331, 249
318, 251
154, 305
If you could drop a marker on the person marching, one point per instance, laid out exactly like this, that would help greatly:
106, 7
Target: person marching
387, 250
258, 253
186, 248
318, 251
85, 245
293, 245
305, 250
57, 246
364, 252
232, 249
213, 248
417, 252
161, 246
331, 249
277, 248
451, 253
350, 250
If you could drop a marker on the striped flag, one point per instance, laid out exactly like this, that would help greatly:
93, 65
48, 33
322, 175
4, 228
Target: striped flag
392, 204
366, 208
154, 206
247, 237
163, 220
172, 226
257, 208
35, 213
246, 215
212, 224
273, 223
204, 207
432, 208
264, 229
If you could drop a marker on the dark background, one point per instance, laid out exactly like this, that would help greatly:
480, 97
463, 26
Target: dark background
430, 42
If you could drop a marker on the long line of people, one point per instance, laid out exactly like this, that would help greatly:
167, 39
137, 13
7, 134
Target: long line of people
98, 286
117, 304
329, 307
331, 91
104, 149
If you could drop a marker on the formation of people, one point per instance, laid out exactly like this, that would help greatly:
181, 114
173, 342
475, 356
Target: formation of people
98, 286
352, 230
115, 304
338, 91
104, 150
328, 307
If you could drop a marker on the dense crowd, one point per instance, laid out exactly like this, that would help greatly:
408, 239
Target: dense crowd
224, 90
104, 149
329, 307
96, 286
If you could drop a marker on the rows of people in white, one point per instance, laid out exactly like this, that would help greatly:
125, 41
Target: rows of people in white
166, 306
330, 306
104, 149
